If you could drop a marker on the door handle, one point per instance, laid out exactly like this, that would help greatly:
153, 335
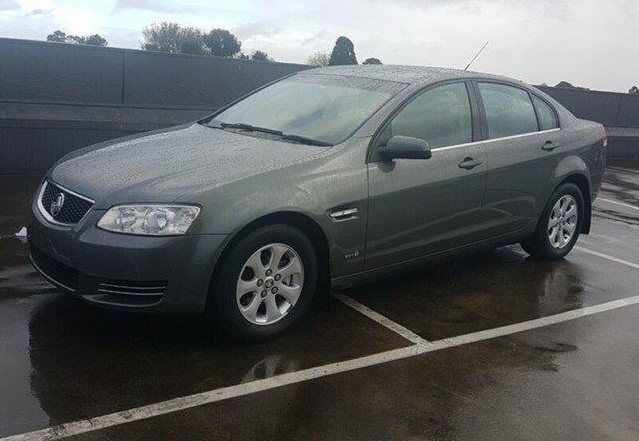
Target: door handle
549, 146
470, 163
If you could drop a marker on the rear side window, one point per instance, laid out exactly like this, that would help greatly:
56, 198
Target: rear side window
509, 110
440, 116
547, 116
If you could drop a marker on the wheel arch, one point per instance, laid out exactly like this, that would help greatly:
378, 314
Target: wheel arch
582, 182
303, 222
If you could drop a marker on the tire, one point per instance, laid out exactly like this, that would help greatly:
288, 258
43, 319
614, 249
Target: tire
253, 305
550, 242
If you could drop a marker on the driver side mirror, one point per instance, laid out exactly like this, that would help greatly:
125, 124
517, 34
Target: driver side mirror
405, 147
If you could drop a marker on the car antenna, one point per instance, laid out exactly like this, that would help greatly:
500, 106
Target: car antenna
477, 55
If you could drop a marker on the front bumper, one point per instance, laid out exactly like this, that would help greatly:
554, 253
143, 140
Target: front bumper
138, 273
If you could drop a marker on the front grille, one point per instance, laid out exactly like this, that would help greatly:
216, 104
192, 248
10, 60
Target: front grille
73, 206
53, 270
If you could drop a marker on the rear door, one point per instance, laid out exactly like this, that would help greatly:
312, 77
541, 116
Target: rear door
522, 149
420, 207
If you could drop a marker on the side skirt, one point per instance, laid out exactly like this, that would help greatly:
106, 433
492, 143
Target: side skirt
349, 280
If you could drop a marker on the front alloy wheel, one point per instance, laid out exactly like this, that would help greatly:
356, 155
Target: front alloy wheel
265, 284
270, 284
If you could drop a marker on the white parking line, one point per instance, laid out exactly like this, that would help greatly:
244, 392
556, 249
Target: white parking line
195, 400
610, 201
382, 320
607, 257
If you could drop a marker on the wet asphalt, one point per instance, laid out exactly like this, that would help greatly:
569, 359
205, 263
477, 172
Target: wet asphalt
63, 361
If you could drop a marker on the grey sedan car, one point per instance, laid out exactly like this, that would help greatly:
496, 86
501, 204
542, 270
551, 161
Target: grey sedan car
325, 178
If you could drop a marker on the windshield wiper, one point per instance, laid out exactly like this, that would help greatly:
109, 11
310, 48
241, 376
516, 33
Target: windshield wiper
306, 140
249, 128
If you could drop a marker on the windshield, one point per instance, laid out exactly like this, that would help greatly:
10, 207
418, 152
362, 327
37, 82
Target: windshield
326, 108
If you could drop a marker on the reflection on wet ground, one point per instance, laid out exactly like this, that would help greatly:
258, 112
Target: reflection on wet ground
621, 182
62, 361
572, 381
85, 361
494, 289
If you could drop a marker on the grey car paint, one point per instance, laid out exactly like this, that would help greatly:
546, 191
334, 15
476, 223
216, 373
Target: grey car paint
400, 213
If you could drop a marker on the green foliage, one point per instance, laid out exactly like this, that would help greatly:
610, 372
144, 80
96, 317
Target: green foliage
372, 61
319, 59
95, 40
343, 53
567, 85
260, 56
58, 37
91, 40
222, 43
171, 37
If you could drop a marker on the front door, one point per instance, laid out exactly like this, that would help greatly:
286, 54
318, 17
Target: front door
421, 207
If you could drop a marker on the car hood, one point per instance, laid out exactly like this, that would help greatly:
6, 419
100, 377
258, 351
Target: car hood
165, 165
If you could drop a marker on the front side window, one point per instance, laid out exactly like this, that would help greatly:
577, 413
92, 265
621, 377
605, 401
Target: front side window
440, 116
509, 110
547, 117
328, 108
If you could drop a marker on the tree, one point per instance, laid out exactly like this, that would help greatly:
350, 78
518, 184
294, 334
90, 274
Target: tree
192, 41
319, 59
567, 85
91, 40
57, 36
372, 61
260, 56
343, 52
162, 37
171, 37
222, 43
634, 90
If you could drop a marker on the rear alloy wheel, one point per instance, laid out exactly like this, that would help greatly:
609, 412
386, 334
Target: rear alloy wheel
266, 284
562, 224
559, 226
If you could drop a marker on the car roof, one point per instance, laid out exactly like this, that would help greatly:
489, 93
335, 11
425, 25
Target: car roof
404, 74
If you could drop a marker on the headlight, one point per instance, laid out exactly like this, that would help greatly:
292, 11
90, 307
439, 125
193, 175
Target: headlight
152, 220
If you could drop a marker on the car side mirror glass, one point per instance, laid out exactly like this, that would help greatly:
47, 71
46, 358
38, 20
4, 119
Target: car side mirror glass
405, 147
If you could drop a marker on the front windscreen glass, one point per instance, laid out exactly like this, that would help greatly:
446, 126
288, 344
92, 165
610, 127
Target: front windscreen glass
326, 108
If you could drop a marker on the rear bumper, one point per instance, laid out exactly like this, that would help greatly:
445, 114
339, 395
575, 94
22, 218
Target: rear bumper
136, 273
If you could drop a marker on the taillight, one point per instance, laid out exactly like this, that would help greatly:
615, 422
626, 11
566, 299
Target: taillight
604, 135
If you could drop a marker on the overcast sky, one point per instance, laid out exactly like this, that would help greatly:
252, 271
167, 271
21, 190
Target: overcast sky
590, 43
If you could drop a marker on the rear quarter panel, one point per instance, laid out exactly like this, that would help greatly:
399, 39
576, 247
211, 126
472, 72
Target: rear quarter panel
582, 153
582, 150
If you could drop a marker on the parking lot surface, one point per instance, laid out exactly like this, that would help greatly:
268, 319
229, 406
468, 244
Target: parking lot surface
485, 347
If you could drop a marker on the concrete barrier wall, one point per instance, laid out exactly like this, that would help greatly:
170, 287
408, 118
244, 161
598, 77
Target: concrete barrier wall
608, 108
55, 98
